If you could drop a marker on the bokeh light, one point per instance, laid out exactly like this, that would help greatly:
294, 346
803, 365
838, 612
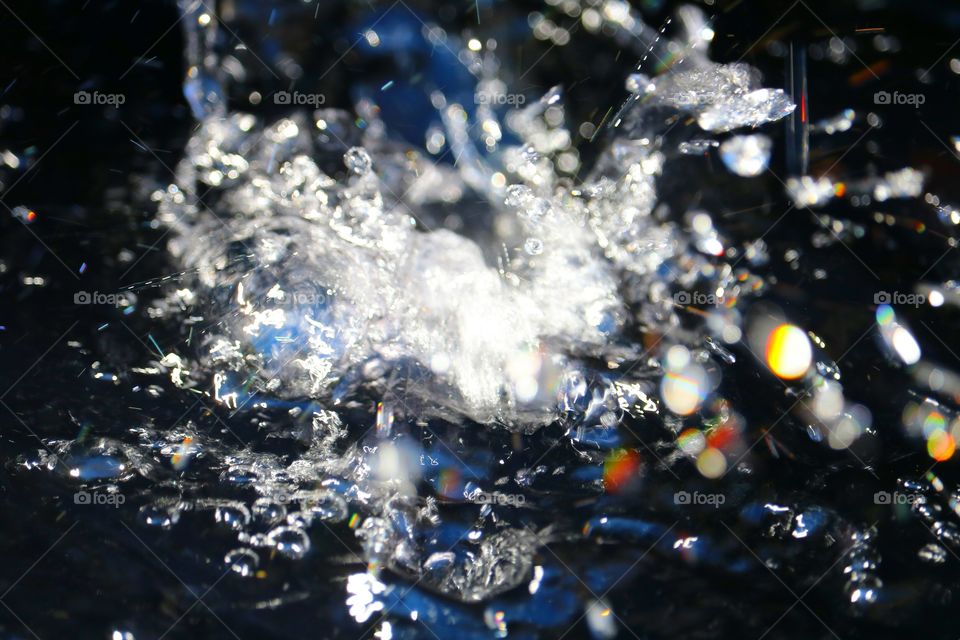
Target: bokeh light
788, 352
941, 445
621, 470
691, 441
897, 338
685, 383
711, 463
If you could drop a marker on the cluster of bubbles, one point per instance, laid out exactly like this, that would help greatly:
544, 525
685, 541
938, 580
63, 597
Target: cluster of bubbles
319, 280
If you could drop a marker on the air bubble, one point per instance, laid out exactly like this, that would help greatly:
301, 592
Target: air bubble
243, 562
290, 542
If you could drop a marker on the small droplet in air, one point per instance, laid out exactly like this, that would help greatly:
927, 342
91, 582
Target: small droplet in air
24, 214
601, 620
638, 83
358, 161
243, 562
747, 155
518, 195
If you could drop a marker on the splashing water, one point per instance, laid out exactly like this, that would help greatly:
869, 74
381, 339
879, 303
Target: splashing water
317, 285
570, 308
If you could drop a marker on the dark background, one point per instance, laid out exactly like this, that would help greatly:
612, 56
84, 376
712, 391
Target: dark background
84, 172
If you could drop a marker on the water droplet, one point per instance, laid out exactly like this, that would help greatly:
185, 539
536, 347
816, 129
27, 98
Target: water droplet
747, 155
932, 554
268, 511
533, 246
291, 542
638, 83
518, 195
864, 591
358, 161
325, 505
696, 147
233, 516
243, 562
154, 516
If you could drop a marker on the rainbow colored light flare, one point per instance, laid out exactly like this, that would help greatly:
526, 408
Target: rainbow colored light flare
788, 352
685, 383
941, 445
621, 470
896, 336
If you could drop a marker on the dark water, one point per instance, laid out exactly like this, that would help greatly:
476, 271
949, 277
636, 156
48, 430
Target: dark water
799, 530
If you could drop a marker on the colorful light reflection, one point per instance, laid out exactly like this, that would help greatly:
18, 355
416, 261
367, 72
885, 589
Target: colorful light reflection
788, 352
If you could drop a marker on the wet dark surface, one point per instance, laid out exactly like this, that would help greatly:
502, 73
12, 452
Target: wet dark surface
92, 570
